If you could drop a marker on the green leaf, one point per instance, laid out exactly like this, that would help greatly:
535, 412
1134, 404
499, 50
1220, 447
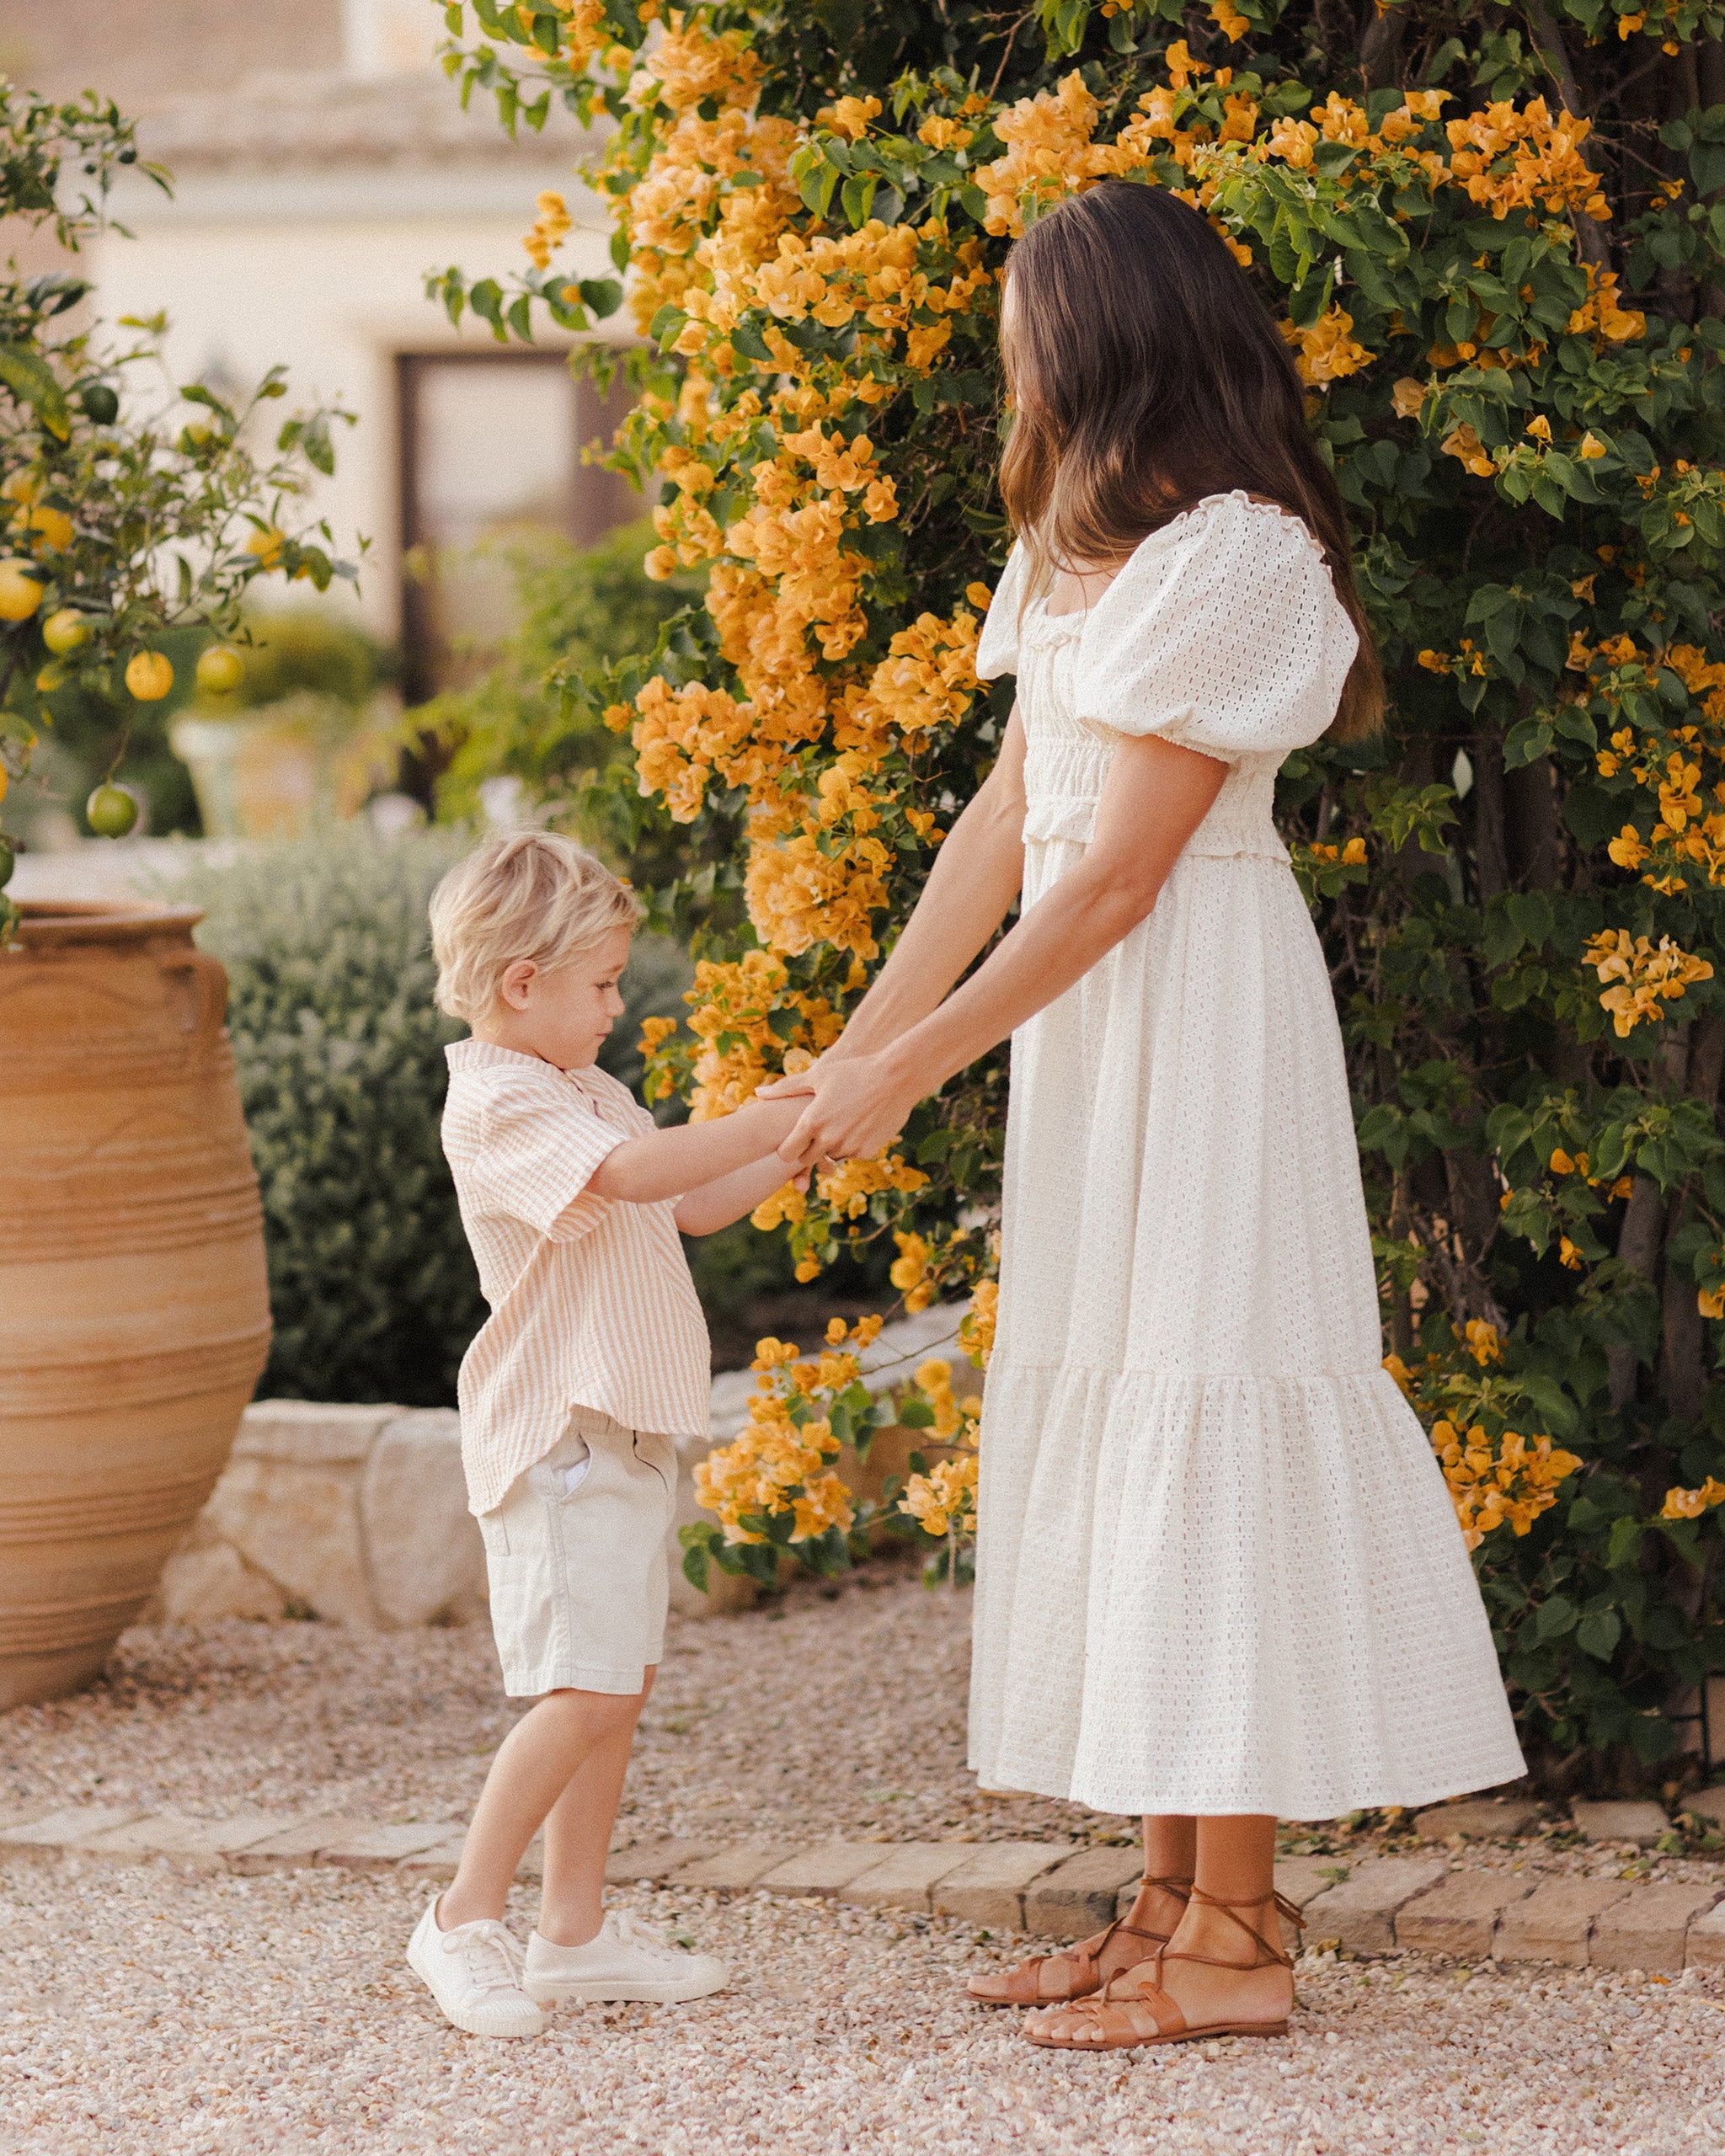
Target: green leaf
1598, 1632
857, 197
1556, 1616
917, 1415
32, 382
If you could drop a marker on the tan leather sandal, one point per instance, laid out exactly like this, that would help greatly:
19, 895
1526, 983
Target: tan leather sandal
1050, 1979
1133, 2010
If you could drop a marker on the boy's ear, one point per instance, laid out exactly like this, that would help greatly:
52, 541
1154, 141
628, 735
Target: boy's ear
517, 982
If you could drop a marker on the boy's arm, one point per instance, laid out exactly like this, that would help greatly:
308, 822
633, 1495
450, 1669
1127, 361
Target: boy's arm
713, 1205
667, 1163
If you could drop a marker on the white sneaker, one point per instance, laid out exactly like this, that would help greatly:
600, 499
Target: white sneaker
474, 1974
626, 1961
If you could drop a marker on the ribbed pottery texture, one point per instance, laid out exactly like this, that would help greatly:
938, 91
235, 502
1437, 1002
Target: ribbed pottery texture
134, 1308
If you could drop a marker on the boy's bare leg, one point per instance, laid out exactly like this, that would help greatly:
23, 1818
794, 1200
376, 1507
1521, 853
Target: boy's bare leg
578, 1838
535, 1764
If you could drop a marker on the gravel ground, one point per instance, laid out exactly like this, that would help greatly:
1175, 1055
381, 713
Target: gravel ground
737, 1742
144, 2011
173, 2018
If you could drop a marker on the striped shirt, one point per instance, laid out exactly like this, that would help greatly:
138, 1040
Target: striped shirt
591, 1301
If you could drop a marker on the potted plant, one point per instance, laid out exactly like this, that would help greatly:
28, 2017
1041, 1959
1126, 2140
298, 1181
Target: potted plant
134, 1317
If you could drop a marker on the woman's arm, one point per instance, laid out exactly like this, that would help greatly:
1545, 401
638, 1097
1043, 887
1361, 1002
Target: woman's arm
1156, 795
974, 882
667, 1163
714, 1205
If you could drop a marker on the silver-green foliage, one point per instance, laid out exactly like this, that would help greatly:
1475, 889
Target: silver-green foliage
339, 1051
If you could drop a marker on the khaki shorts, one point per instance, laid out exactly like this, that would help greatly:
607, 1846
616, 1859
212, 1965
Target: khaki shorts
575, 1554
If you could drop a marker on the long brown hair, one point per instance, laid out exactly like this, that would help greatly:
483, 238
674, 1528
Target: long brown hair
1146, 374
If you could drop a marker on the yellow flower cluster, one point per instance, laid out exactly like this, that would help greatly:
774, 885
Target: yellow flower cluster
1600, 316
976, 1327
1643, 977
549, 229
1509, 159
1491, 1481
733, 1005
780, 1462
1328, 349
1690, 1504
909, 1271
943, 1500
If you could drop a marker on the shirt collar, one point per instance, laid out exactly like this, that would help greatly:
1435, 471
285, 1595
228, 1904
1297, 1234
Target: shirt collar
486, 1055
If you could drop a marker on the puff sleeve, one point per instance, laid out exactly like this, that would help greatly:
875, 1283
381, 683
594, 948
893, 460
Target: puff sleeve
998, 647
1222, 634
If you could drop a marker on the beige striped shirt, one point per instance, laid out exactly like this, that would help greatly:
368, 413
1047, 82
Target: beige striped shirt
591, 1301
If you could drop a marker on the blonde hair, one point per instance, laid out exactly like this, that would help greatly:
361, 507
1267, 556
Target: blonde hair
529, 894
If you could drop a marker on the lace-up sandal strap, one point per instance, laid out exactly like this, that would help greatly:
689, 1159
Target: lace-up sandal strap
1130, 2010
1052, 1979
1266, 1956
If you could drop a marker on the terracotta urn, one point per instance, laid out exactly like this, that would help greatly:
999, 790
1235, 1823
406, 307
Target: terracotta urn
134, 1307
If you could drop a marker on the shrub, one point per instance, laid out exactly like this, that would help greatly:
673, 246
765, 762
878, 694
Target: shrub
339, 1051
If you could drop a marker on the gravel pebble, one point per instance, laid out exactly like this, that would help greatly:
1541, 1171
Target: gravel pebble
736, 1744
144, 2011
173, 2017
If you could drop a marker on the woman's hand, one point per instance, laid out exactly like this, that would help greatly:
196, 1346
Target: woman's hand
860, 1105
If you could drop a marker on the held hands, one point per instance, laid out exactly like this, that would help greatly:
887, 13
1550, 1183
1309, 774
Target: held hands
856, 1109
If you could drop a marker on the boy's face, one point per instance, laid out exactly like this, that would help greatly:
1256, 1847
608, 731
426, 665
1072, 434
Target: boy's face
565, 1014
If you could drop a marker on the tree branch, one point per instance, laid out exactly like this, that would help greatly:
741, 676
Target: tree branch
1547, 41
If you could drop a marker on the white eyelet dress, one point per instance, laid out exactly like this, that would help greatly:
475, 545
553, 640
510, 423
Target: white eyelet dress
1218, 1570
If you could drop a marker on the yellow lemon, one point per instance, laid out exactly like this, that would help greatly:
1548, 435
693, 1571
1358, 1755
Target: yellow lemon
149, 676
4, 782
51, 677
220, 670
66, 629
53, 527
266, 545
20, 590
111, 811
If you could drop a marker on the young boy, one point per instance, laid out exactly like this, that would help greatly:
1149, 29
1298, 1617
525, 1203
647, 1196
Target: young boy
595, 1350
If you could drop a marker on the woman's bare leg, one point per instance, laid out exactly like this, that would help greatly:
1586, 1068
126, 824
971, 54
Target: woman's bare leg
1170, 1852
1235, 1863
1168, 1846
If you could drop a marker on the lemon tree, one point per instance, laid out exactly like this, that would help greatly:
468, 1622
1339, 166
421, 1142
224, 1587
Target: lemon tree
129, 505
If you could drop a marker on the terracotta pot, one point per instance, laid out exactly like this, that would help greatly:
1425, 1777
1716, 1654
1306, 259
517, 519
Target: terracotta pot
134, 1307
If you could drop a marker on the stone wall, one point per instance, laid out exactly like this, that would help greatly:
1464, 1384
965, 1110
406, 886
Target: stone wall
360, 1514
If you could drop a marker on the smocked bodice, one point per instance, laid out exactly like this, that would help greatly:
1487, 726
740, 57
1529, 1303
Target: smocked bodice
1067, 758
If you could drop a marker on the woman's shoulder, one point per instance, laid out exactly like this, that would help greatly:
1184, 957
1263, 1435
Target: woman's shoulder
1233, 522
1237, 544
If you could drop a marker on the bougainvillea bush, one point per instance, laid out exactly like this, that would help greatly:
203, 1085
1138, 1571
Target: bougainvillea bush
1494, 240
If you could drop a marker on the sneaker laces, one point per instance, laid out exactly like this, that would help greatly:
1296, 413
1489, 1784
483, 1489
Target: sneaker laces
491, 1954
628, 1930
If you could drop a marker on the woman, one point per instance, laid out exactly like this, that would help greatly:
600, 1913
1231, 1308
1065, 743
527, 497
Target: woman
1219, 1578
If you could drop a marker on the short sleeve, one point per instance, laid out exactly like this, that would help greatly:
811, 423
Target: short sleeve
998, 647
1222, 634
539, 1146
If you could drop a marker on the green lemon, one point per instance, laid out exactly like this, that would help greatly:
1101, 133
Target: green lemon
66, 629
100, 403
111, 811
220, 670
